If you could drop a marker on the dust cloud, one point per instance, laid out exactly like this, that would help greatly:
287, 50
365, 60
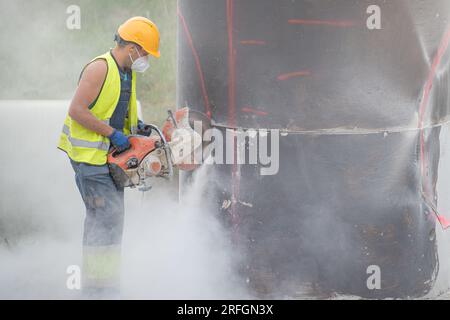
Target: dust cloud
171, 250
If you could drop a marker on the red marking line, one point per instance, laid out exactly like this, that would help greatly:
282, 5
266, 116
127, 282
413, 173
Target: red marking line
287, 76
197, 63
443, 221
254, 111
235, 174
231, 67
423, 106
329, 23
253, 42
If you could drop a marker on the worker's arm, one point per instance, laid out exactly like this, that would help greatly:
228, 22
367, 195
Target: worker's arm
89, 87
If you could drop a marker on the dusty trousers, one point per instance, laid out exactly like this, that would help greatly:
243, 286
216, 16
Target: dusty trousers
103, 228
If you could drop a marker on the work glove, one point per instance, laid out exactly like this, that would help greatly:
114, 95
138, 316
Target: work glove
144, 129
119, 141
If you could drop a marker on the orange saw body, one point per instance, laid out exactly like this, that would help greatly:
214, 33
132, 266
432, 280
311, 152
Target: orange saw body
156, 155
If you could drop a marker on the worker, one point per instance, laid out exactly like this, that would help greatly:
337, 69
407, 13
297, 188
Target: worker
102, 113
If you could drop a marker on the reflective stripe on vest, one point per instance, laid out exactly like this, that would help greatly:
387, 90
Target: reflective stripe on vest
101, 145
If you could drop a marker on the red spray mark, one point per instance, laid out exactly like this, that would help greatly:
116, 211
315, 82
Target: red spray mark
287, 76
443, 221
231, 67
254, 111
235, 174
253, 42
197, 63
423, 106
329, 23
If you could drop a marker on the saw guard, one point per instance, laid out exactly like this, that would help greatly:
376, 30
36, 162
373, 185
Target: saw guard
184, 135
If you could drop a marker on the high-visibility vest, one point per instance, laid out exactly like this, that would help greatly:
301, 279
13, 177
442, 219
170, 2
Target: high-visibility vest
84, 145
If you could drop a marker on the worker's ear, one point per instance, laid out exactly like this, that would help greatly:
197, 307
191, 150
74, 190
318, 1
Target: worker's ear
130, 49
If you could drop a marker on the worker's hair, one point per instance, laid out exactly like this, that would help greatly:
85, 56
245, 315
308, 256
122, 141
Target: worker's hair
122, 43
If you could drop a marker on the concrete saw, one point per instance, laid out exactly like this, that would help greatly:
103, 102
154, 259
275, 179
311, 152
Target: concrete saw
158, 154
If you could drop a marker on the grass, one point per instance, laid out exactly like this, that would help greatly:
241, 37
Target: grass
45, 58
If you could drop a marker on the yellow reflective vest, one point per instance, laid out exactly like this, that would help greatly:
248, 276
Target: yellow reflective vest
84, 145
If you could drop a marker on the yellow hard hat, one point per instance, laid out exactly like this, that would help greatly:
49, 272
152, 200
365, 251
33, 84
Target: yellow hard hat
143, 32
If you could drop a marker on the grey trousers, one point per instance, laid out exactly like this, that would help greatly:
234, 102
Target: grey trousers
103, 225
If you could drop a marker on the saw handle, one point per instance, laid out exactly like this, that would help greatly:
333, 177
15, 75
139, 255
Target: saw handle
172, 118
116, 152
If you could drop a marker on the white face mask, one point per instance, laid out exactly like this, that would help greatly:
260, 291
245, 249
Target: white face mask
140, 64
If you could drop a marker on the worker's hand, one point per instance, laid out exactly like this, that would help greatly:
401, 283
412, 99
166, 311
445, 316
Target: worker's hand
144, 129
119, 141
